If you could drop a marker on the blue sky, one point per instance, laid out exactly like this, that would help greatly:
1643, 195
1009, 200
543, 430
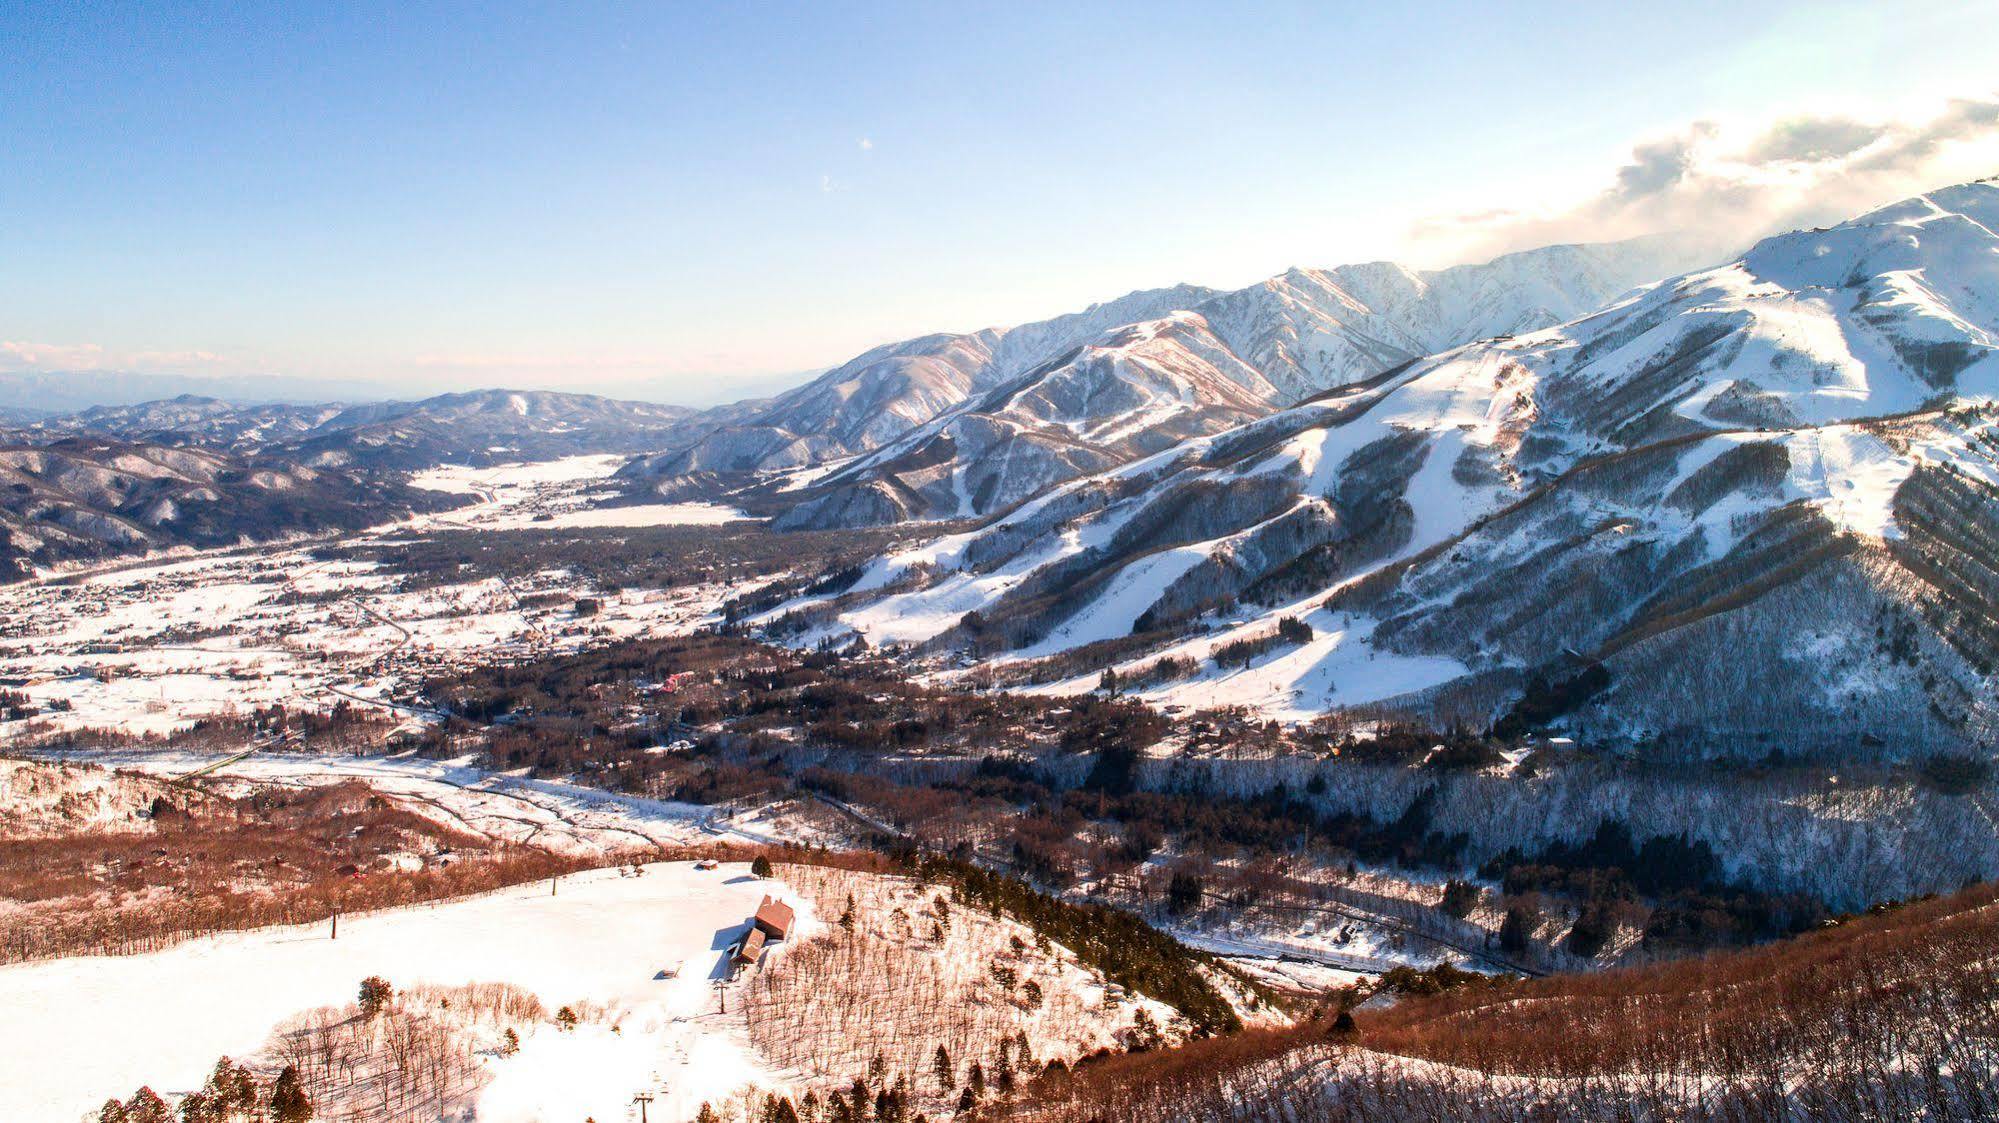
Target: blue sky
579, 195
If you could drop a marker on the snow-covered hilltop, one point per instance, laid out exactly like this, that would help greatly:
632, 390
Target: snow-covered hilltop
877, 396
1752, 507
958, 425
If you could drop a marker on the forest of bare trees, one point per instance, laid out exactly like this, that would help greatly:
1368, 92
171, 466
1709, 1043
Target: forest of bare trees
900, 973
1894, 1015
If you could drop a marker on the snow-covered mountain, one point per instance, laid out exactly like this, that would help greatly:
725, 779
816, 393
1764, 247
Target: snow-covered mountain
882, 394
1080, 403
1750, 508
480, 427
191, 417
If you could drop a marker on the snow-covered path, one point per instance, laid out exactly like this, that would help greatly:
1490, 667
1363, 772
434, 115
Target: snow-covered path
78, 1030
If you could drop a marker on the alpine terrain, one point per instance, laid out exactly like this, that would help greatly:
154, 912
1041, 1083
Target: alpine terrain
1752, 508
954, 426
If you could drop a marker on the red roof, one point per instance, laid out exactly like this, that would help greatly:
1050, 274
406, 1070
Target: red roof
773, 917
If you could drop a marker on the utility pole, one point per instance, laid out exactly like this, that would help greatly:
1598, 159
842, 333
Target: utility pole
642, 1099
336, 922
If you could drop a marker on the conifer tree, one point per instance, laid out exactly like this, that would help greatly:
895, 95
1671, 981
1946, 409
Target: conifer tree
375, 995
146, 1106
199, 1107
289, 1103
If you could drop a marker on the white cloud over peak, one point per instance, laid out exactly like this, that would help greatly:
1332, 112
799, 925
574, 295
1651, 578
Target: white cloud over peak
1732, 183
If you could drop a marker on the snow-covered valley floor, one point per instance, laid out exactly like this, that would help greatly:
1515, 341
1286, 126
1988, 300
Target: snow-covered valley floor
152, 646
81, 1029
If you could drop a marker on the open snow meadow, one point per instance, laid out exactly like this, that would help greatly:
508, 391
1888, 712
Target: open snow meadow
645, 954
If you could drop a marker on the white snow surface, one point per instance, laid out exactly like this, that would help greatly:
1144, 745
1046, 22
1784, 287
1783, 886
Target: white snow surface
74, 1034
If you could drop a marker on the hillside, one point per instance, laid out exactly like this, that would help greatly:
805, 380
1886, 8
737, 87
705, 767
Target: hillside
1769, 488
81, 499
484, 427
1887, 1016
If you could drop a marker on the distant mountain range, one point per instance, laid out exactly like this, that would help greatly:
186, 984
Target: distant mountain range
954, 426
48, 394
477, 428
947, 425
1744, 509
1749, 509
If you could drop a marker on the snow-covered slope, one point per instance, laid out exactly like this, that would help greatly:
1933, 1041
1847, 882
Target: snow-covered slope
1764, 498
643, 951
884, 393
1226, 359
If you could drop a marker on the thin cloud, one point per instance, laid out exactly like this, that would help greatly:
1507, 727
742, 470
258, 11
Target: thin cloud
1813, 138
867, 144
21, 356
1732, 185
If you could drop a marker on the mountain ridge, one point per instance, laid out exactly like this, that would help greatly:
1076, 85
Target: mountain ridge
1226, 357
1667, 488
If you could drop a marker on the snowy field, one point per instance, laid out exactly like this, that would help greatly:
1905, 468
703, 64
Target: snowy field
149, 647
553, 494
601, 939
